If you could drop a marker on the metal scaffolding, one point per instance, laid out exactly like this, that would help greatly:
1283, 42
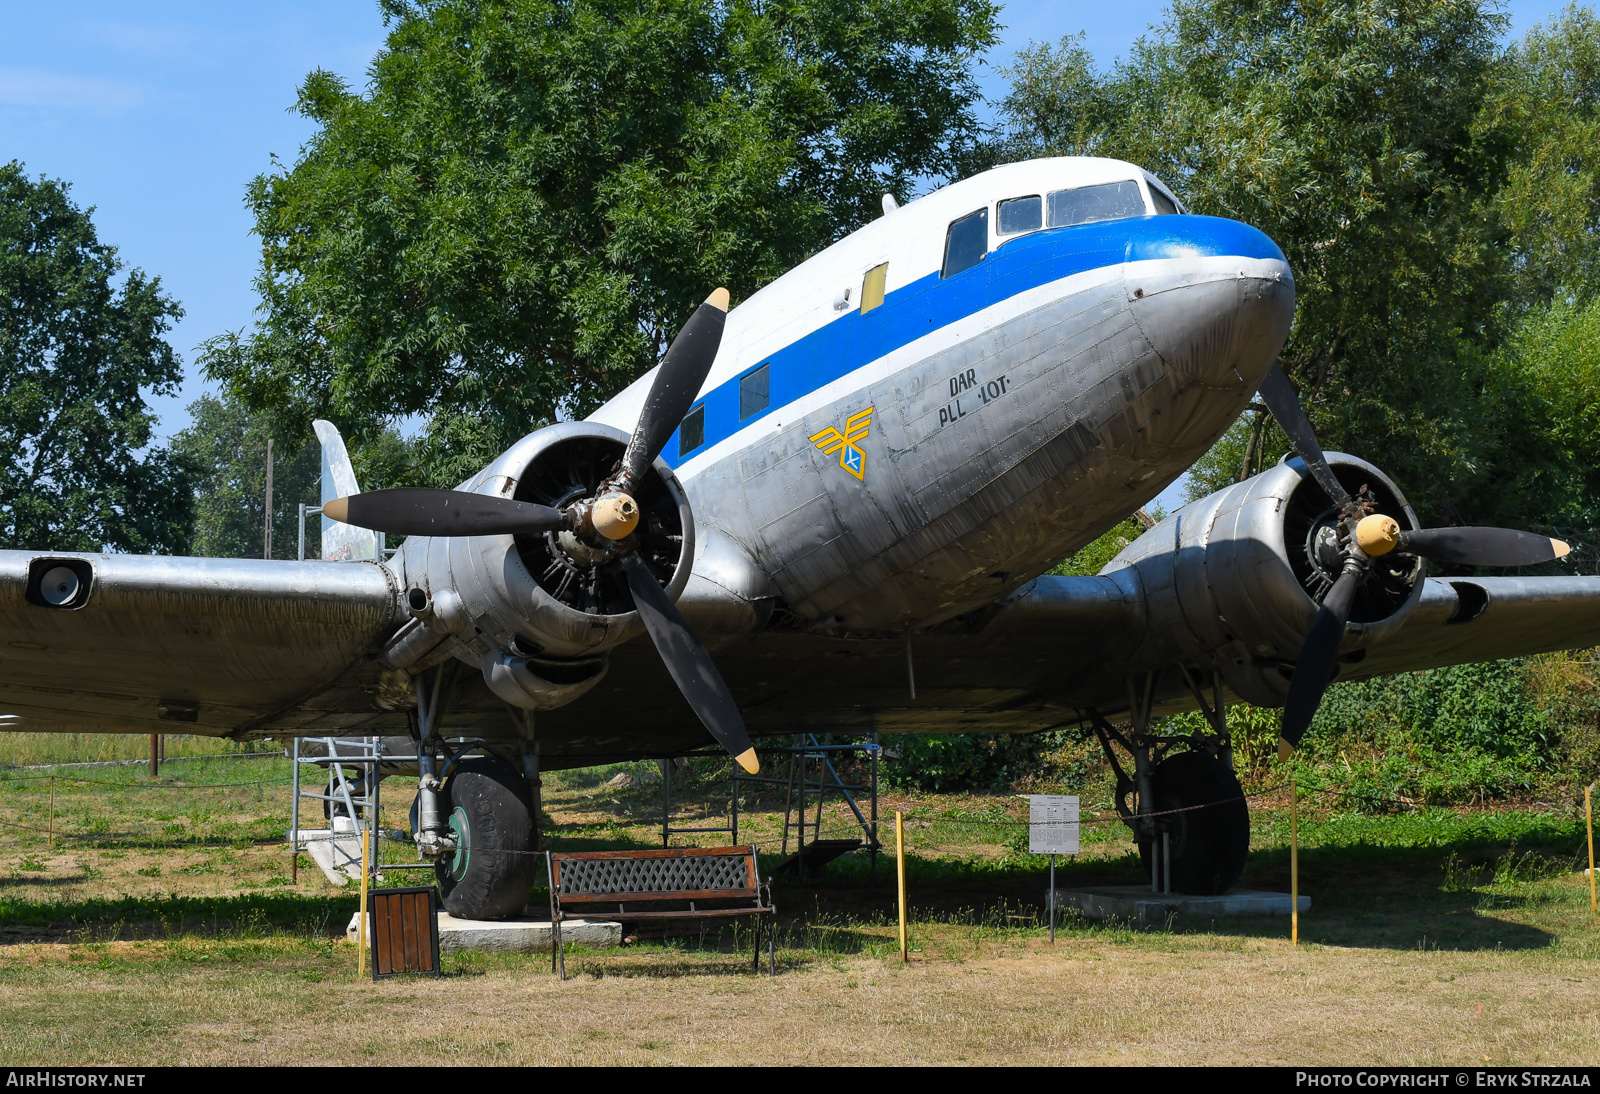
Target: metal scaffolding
812, 777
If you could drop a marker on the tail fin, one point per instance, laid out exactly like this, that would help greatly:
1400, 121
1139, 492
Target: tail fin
341, 542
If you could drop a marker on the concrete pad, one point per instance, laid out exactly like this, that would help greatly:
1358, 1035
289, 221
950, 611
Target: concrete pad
1136, 903
515, 935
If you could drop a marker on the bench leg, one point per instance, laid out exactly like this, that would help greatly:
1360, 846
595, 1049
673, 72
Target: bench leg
755, 950
558, 958
772, 936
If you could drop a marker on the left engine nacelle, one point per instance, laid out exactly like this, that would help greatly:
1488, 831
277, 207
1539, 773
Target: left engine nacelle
1227, 582
539, 613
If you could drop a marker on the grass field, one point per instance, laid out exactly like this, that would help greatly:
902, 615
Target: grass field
162, 927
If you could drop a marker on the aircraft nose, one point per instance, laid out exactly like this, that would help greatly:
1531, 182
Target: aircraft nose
1214, 297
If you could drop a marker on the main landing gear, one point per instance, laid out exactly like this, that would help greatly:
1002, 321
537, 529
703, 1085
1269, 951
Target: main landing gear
1186, 808
476, 817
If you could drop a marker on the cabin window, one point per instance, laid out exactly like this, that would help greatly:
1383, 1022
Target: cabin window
967, 242
872, 287
754, 392
1164, 205
1087, 204
1021, 215
692, 431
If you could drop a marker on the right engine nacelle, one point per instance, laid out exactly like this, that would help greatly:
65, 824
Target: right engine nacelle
1226, 581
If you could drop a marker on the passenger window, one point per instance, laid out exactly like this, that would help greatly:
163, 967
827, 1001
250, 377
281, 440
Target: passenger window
967, 242
754, 392
1021, 215
692, 430
1164, 206
872, 287
1087, 204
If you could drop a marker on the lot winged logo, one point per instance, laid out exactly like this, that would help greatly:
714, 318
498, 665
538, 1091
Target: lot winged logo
851, 458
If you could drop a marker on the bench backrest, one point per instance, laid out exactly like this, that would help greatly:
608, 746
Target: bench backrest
690, 873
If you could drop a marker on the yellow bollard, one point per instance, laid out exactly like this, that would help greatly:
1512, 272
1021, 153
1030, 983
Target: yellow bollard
1588, 816
900, 861
361, 916
1294, 862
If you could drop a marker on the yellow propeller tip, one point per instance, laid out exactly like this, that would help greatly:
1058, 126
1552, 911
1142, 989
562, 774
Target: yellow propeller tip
718, 299
337, 509
1561, 548
1285, 750
747, 760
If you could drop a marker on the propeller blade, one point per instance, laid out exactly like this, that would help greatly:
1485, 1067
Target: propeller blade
415, 511
678, 381
1284, 405
691, 666
1482, 546
1314, 670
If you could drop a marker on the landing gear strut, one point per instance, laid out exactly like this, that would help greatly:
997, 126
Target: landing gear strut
1185, 808
475, 818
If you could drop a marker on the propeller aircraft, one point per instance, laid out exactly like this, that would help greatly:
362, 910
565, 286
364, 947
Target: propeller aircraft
861, 470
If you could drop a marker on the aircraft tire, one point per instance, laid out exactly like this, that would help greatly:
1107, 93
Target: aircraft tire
1209, 845
490, 811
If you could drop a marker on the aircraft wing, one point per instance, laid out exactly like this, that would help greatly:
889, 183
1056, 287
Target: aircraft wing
190, 645
1462, 620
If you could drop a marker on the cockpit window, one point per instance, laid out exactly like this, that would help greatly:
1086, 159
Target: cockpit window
1164, 206
1087, 204
967, 242
1021, 215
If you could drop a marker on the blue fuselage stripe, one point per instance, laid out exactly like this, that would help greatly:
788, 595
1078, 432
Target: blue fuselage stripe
912, 311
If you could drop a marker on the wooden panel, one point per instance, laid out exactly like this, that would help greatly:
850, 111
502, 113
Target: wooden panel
409, 932
381, 959
703, 913
673, 852
663, 894
425, 934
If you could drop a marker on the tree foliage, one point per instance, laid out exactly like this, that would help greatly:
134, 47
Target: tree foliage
1371, 141
78, 351
1549, 96
514, 218
225, 446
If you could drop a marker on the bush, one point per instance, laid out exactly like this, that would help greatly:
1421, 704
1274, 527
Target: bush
985, 761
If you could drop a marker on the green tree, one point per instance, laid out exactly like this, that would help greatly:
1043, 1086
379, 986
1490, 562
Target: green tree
1550, 204
78, 351
531, 196
1350, 133
225, 446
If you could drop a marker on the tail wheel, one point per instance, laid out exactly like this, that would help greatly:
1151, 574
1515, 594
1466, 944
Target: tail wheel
490, 812
1209, 843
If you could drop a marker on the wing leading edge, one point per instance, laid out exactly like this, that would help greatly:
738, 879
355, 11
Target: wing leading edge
190, 645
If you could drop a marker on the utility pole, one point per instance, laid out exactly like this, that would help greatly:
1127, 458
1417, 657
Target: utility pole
266, 540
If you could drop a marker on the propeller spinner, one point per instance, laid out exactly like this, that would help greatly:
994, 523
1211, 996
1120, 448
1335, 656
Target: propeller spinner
1364, 537
611, 513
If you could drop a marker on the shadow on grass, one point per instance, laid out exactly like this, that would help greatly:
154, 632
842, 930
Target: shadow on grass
252, 915
1365, 893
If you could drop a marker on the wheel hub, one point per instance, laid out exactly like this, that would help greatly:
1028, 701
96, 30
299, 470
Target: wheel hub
461, 857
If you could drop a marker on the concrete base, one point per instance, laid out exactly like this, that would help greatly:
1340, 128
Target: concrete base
514, 935
1136, 903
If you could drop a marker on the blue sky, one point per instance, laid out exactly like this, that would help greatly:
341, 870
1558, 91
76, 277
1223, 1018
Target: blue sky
159, 113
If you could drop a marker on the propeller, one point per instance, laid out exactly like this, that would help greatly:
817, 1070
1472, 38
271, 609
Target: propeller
1364, 537
612, 513
414, 511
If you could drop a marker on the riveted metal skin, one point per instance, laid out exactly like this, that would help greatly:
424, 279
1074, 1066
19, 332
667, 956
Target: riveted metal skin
1219, 591
903, 475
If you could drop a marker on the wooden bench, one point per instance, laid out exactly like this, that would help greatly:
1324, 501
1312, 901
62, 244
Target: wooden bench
593, 883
